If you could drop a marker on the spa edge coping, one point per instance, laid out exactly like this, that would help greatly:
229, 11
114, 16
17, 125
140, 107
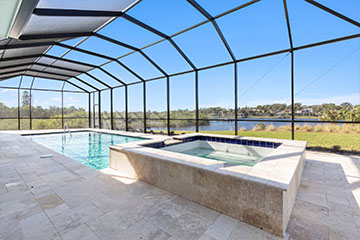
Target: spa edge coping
274, 170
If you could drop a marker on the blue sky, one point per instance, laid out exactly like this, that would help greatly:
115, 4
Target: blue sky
329, 73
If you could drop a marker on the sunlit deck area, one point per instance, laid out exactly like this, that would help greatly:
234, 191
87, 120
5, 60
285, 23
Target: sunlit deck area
59, 198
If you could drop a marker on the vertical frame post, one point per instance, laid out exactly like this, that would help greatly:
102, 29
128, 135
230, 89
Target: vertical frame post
62, 109
168, 103
94, 110
62, 105
144, 103
111, 109
236, 98
89, 109
30, 107
197, 100
19, 109
19, 125
99, 102
126, 110
292, 98
292, 70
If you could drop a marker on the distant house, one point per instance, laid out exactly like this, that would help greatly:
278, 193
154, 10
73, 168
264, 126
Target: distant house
308, 111
284, 113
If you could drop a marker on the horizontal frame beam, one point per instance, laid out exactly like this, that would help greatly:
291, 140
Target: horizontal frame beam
49, 12
23, 72
42, 89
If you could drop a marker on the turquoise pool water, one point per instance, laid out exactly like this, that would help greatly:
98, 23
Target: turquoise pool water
88, 148
234, 158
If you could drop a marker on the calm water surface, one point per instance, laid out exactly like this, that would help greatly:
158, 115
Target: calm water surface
88, 148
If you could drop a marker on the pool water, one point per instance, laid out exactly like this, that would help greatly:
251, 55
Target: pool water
88, 148
229, 157
227, 152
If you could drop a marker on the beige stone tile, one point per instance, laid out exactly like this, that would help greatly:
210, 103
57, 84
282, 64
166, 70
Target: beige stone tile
144, 230
29, 211
187, 226
57, 210
50, 201
310, 211
111, 224
311, 187
357, 220
342, 224
74, 194
81, 232
343, 208
178, 221
339, 199
38, 227
10, 228
221, 228
101, 201
312, 197
335, 236
206, 237
16, 202
245, 231
2, 189
300, 228
71, 218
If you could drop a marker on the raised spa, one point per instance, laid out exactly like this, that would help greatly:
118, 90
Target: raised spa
254, 180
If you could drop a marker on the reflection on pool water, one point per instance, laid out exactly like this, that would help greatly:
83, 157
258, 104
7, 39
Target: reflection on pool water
88, 148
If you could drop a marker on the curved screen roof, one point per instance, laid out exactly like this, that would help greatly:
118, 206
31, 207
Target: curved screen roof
109, 43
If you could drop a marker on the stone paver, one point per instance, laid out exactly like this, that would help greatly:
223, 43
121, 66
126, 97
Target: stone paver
59, 198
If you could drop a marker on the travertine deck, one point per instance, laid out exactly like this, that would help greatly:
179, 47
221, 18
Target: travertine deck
58, 198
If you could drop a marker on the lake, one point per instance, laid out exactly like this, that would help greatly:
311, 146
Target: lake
230, 125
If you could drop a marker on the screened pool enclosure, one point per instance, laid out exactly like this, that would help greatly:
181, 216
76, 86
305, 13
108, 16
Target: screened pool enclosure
178, 65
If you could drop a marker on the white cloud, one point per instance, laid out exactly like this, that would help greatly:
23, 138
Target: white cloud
351, 98
55, 99
6, 90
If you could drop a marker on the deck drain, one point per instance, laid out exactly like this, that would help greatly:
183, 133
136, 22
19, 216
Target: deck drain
46, 156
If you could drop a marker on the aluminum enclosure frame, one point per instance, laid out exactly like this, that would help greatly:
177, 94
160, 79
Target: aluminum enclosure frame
167, 77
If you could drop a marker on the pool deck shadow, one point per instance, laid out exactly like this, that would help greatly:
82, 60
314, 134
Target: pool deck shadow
59, 198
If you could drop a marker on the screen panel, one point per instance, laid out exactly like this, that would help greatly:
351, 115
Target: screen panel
156, 105
76, 107
182, 103
105, 109
164, 15
46, 110
119, 108
264, 93
8, 109
203, 46
136, 104
260, 28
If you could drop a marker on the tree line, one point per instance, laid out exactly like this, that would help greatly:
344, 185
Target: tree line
49, 117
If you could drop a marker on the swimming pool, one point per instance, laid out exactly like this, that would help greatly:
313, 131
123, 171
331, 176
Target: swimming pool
88, 148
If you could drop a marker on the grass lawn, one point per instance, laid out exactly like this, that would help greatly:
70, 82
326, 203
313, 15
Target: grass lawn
321, 140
